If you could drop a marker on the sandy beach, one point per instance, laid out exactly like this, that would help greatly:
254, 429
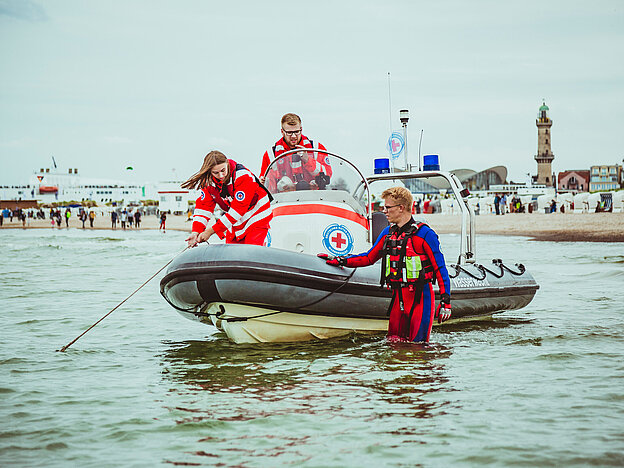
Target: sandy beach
587, 227
592, 227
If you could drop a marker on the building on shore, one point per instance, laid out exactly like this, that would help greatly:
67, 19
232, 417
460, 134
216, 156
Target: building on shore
605, 177
482, 180
544, 156
173, 199
576, 180
18, 204
49, 186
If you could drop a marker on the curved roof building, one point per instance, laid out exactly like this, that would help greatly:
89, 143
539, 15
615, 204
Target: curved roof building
473, 180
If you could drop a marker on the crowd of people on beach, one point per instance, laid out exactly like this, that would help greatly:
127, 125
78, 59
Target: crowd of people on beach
126, 218
61, 216
514, 205
22, 215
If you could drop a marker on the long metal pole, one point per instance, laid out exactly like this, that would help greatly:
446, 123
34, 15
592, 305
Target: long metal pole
407, 168
390, 125
62, 350
419, 146
389, 105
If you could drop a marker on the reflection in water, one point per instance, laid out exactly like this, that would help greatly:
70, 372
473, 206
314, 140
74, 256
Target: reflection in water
291, 397
487, 323
364, 380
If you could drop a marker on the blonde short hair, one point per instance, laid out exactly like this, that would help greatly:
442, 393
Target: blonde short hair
401, 195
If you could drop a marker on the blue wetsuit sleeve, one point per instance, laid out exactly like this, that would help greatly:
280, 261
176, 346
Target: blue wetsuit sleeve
432, 248
372, 255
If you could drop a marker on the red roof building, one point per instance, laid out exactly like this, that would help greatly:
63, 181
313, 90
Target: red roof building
576, 180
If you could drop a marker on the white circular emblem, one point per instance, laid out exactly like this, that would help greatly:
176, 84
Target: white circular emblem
337, 239
396, 144
240, 195
202, 195
327, 160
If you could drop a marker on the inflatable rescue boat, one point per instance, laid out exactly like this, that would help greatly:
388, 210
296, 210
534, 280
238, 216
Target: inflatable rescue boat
283, 292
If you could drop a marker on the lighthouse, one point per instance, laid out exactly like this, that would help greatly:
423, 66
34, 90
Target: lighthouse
544, 156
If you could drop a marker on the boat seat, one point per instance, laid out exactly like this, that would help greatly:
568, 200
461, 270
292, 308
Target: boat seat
380, 222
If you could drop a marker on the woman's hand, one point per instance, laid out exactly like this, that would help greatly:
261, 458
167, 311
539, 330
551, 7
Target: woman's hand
204, 236
192, 239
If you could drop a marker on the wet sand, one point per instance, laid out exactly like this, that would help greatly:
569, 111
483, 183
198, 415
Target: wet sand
591, 227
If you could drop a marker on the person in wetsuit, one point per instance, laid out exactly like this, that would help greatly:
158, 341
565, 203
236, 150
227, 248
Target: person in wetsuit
412, 261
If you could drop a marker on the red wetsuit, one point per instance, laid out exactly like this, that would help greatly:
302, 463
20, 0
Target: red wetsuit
245, 203
413, 301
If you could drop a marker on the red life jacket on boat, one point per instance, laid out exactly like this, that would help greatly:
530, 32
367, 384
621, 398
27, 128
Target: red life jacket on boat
316, 163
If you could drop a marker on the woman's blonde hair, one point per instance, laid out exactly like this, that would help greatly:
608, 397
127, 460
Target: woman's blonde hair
202, 177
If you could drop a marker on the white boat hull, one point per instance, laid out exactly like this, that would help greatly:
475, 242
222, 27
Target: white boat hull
247, 324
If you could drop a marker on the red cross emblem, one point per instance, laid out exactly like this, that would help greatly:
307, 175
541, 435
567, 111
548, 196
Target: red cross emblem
395, 145
339, 240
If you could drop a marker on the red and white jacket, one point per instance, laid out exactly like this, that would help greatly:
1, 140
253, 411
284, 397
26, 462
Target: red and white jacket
245, 203
313, 166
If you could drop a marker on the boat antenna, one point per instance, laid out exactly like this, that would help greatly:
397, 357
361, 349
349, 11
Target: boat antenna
53, 160
419, 146
62, 350
389, 105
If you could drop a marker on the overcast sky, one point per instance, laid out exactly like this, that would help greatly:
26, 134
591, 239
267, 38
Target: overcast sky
102, 85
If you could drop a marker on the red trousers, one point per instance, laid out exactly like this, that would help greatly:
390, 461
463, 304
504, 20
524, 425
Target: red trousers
253, 236
414, 322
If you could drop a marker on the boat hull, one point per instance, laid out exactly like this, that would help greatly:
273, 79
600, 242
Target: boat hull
257, 294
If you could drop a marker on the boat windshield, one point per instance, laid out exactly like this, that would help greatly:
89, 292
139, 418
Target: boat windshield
315, 175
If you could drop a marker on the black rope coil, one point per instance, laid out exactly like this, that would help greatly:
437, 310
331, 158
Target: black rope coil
484, 270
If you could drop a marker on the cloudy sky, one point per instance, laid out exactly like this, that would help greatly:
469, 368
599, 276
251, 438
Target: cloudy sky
101, 85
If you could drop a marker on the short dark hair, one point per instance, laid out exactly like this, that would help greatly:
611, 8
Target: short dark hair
291, 119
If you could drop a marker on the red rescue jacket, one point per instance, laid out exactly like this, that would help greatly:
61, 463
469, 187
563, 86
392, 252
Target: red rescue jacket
244, 201
314, 166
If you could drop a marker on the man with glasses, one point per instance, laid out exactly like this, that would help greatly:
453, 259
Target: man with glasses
309, 170
412, 261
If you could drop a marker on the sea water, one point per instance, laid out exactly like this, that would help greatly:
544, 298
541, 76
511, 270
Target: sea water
541, 386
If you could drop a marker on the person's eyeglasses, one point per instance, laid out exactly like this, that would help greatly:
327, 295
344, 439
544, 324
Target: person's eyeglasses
294, 132
387, 207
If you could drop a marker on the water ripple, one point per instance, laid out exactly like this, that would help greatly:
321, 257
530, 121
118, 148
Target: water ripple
164, 390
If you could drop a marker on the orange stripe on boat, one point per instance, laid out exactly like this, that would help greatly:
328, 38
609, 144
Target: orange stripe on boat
315, 208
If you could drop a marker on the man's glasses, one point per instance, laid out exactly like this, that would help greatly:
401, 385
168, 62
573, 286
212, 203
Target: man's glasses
294, 132
387, 207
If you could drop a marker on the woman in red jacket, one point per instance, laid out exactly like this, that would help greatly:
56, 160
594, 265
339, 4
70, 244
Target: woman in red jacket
245, 203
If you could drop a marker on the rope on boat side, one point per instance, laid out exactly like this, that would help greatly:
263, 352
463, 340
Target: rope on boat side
221, 314
458, 268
